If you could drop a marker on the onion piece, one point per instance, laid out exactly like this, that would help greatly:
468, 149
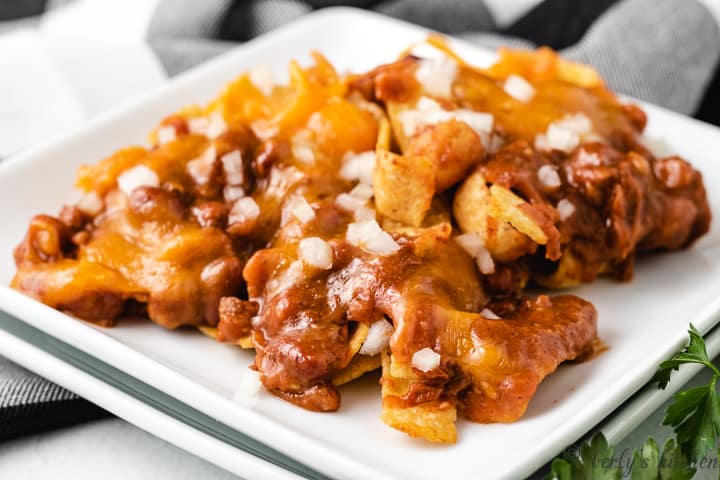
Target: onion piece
428, 112
348, 202
166, 134
489, 314
519, 88
244, 210
198, 125
427, 104
230, 193
563, 139
138, 176
437, 75
201, 168
378, 338
364, 213
233, 167
549, 177
565, 209
425, 360
565, 134
303, 153
474, 246
216, 125
369, 236
590, 159
358, 167
481, 122
485, 262
301, 209
316, 252
248, 389
577, 123
90, 204
470, 242
362, 191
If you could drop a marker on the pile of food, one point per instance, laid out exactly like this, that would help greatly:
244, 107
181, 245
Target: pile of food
390, 219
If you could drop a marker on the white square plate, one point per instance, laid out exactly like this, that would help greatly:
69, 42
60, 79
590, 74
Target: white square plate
642, 322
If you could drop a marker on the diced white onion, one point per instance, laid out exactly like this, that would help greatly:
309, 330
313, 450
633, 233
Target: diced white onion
489, 314
412, 120
139, 176
90, 203
485, 262
378, 338
565, 134
301, 209
496, 143
303, 152
245, 209
198, 125
519, 88
437, 75
479, 121
231, 193
248, 388
262, 78
201, 168
358, 166
232, 163
216, 125
586, 159
364, 213
428, 112
578, 123
316, 252
470, 242
565, 209
348, 202
369, 236
473, 245
427, 104
563, 139
166, 134
426, 359
672, 170
291, 276
541, 142
548, 176
362, 191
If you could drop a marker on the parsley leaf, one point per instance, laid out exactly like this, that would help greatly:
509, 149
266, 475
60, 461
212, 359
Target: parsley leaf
649, 464
695, 417
646, 462
595, 461
694, 352
694, 414
674, 464
560, 469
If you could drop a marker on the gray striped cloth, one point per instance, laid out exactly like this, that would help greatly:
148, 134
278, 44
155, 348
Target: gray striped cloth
662, 51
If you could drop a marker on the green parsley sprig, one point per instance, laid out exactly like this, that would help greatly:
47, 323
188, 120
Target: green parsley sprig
693, 414
596, 460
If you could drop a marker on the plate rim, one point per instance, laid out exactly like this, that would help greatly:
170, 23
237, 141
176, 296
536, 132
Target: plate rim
136, 411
